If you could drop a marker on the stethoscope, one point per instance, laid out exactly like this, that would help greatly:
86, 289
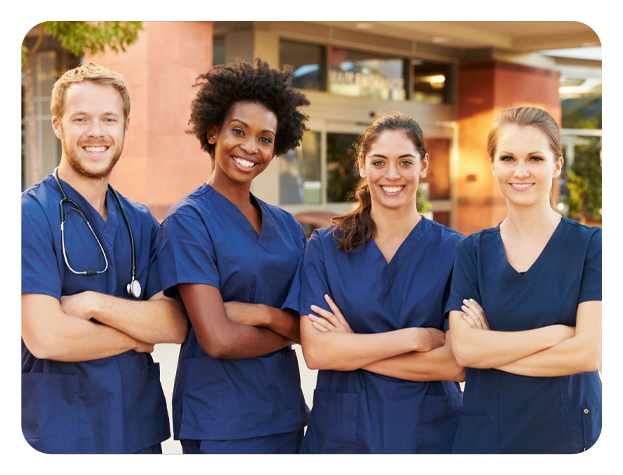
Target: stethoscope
134, 287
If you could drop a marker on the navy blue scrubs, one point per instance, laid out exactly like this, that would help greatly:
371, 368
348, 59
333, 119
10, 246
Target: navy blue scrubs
363, 412
206, 239
509, 413
108, 405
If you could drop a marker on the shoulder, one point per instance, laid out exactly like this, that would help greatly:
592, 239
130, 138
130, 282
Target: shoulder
472, 243
39, 199
190, 204
586, 237
442, 232
282, 218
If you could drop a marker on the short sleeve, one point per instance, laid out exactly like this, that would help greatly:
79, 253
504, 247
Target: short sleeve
590, 288
314, 281
40, 273
291, 303
185, 254
464, 277
153, 285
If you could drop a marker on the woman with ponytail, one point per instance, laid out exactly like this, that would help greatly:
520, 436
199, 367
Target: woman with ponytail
373, 286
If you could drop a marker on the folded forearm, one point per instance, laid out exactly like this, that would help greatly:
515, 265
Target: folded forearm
436, 365
153, 321
282, 323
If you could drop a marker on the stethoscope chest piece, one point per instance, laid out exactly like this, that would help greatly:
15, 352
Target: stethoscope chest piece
134, 288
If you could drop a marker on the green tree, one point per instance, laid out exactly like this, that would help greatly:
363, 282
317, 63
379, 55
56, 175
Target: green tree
81, 38
583, 181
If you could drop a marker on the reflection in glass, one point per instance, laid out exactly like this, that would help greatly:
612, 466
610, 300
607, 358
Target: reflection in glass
431, 82
341, 175
299, 173
360, 74
218, 50
308, 63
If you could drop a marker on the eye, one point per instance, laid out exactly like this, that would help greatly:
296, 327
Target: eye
237, 131
79, 119
110, 120
266, 140
377, 163
536, 158
406, 163
506, 158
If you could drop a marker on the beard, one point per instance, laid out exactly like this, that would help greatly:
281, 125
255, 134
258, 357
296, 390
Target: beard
79, 166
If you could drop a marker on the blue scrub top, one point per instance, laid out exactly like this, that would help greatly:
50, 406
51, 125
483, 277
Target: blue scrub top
108, 405
206, 239
363, 412
509, 413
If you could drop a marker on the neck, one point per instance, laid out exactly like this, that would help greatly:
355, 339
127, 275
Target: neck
92, 189
237, 193
533, 220
394, 223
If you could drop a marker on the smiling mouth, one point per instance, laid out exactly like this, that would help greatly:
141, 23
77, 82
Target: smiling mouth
521, 186
392, 190
244, 163
95, 148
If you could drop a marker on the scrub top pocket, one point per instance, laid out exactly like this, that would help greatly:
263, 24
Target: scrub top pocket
50, 417
333, 424
473, 436
153, 404
585, 425
440, 421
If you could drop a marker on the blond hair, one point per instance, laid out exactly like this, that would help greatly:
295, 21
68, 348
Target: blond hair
88, 72
529, 116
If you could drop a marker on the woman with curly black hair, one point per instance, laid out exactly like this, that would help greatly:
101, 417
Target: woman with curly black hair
231, 258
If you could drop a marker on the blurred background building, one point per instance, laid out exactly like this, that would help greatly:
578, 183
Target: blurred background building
452, 77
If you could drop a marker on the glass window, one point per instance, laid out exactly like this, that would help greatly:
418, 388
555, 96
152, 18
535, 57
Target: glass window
218, 50
299, 173
308, 63
360, 74
431, 82
341, 175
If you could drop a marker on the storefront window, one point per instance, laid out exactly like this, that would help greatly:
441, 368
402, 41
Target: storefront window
308, 63
218, 50
299, 173
360, 74
431, 82
341, 175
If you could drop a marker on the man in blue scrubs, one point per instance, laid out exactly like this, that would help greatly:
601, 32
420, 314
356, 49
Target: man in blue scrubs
89, 383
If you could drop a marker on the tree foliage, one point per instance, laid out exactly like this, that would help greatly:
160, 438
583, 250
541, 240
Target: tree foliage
583, 181
82, 37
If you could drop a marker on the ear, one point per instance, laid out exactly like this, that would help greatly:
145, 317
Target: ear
362, 166
558, 167
424, 166
212, 132
56, 125
127, 126
491, 163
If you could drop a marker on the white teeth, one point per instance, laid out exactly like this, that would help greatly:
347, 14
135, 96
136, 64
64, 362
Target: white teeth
243, 163
95, 149
522, 185
392, 189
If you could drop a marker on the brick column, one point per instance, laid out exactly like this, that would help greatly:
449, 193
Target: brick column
485, 88
160, 163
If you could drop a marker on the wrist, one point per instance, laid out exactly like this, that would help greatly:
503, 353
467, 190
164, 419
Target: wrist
266, 316
92, 304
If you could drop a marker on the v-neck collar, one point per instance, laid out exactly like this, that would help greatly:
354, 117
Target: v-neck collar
107, 228
388, 269
538, 263
266, 232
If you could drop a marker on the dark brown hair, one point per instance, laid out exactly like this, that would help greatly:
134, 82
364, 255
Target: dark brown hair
223, 86
353, 230
534, 117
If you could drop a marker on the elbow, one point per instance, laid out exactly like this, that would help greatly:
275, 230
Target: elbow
459, 374
310, 358
215, 348
592, 360
461, 355
39, 346
181, 332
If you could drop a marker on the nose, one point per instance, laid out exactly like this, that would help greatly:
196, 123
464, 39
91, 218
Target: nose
522, 170
96, 130
392, 172
249, 146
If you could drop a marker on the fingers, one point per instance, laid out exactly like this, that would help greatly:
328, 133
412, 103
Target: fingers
321, 324
472, 309
326, 314
336, 311
470, 320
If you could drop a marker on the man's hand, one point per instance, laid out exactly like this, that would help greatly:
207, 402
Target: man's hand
79, 305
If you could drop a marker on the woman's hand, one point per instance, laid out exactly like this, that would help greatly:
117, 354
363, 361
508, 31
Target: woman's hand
331, 322
245, 313
474, 315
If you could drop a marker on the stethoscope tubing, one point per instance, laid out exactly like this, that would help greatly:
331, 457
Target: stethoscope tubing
79, 210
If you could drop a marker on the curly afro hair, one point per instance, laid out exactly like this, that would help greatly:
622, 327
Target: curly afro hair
223, 86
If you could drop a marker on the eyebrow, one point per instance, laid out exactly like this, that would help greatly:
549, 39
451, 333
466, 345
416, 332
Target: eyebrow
401, 156
247, 126
87, 113
531, 153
